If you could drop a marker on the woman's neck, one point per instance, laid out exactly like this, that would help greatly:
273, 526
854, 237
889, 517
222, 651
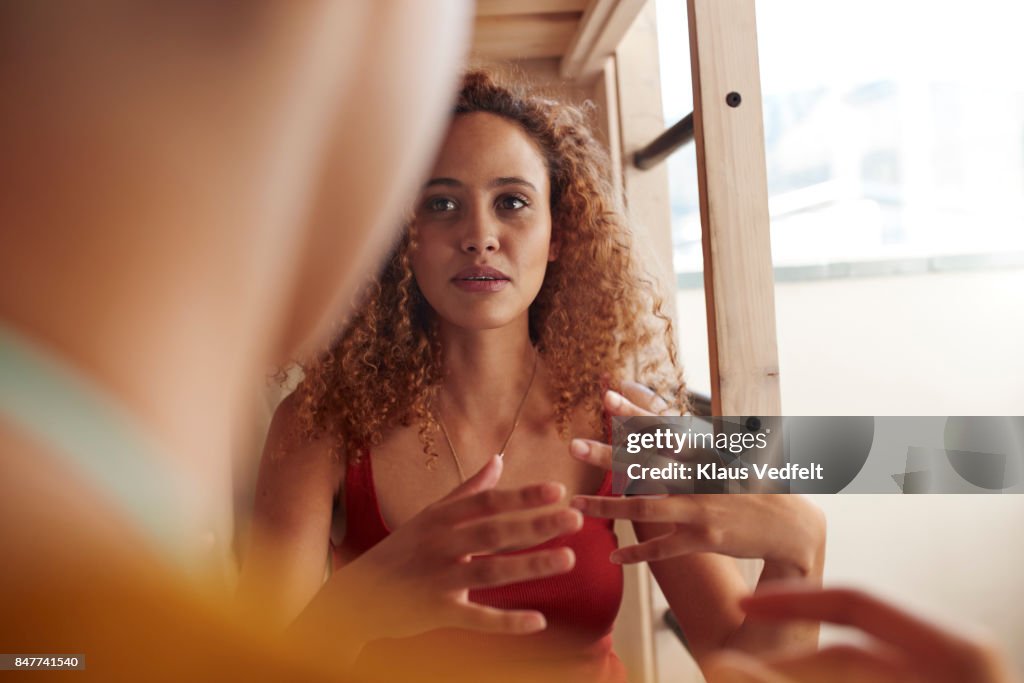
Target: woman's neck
487, 374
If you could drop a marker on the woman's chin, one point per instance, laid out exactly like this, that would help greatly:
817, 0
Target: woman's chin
482, 321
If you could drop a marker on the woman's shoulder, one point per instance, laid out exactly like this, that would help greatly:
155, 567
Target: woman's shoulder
299, 454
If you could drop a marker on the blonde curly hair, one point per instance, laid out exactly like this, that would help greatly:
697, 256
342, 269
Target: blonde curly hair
597, 319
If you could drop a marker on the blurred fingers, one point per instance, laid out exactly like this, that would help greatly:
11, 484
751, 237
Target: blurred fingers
503, 533
490, 571
496, 501
845, 664
850, 607
493, 620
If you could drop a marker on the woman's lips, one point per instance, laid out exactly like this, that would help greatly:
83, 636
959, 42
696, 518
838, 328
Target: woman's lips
480, 279
481, 285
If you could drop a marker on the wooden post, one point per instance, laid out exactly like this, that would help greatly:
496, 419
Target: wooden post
641, 119
637, 85
738, 282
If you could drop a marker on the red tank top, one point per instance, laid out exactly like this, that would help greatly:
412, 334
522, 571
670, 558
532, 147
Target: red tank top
580, 608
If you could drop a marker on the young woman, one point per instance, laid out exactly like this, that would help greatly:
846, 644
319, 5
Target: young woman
512, 302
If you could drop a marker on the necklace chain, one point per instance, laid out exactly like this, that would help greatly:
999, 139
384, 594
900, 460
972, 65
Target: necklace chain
515, 423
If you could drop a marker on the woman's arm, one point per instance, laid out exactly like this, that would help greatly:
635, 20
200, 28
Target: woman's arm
690, 542
285, 563
704, 590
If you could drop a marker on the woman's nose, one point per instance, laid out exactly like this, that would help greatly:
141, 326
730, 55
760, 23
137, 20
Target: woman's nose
480, 237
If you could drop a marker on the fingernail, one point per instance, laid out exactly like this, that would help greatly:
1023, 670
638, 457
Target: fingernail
615, 557
579, 448
535, 622
614, 399
552, 491
571, 520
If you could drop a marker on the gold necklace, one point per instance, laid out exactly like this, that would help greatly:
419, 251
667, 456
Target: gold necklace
515, 423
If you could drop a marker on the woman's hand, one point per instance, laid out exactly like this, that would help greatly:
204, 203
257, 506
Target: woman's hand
787, 531
905, 648
418, 578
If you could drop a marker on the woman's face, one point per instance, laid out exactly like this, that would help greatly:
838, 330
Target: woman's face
483, 224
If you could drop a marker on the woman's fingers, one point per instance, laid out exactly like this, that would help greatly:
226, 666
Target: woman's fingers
835, 664
500, 570
485, 478
597, 454
620, 406
592, 452
496, 501
845, 664
682, 541
930, 649
850, 607
644, 397
477, 617
676, 509
507, 532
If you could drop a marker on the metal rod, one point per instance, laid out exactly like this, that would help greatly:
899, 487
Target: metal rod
666, 143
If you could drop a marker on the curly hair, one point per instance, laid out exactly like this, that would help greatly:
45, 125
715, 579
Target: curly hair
597, 319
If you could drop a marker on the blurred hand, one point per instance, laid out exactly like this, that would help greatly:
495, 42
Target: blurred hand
786, 531
905, 647
418, 578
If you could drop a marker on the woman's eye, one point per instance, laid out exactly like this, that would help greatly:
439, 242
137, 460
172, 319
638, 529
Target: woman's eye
513, 202
440, 204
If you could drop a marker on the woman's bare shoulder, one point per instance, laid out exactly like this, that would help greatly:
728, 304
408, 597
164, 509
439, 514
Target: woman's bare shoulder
296, 465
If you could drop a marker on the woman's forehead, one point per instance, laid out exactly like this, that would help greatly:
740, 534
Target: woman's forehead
481, 147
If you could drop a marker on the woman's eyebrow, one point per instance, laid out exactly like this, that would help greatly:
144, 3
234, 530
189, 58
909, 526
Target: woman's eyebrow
497, 182
447, 182
512, 180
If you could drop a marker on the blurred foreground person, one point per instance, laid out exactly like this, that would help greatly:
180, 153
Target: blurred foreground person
904, 648
167, 235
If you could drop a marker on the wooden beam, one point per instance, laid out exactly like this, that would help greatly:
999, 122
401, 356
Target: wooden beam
738, 282
523, 36
637, 89
606, 94
601, 30
491, 8
642, 119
